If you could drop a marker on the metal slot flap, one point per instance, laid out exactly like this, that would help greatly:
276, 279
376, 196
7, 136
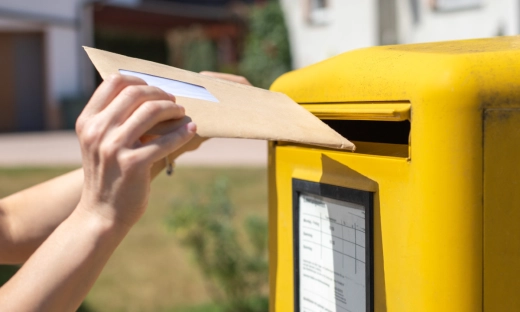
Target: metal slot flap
366, 111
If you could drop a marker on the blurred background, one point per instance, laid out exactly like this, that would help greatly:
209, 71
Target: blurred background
41, 41
175, 259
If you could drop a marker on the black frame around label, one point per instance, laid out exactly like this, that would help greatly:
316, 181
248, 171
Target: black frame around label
363, 198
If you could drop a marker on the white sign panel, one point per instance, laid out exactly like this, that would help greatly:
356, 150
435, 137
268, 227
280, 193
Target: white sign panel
331, 255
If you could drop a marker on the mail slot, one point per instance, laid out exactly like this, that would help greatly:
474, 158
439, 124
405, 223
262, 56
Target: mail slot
423, 215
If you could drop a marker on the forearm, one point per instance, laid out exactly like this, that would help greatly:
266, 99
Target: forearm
31, 215
114, 194
28, 217
60, 273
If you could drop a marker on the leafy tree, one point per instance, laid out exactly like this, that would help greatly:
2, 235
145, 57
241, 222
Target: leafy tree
200, 55
267, 52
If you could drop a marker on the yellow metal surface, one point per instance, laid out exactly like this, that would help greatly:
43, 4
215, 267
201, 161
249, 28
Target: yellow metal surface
475, 70
429, 235
501, 210
381, 149
365, 111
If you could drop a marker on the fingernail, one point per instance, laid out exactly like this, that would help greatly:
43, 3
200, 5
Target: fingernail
191, 127
181, 108
172, 97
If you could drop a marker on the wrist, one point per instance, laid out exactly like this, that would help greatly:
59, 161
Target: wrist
104, 225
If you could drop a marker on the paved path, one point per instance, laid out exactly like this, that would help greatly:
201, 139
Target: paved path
62, 148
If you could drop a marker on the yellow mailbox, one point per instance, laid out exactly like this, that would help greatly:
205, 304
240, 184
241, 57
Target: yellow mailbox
425, 214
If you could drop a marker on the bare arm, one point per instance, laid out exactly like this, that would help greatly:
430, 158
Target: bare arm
117, 168
28, 217
60, 273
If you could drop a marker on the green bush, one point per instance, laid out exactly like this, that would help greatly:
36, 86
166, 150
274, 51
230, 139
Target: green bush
235, 265
267, 52
200, 55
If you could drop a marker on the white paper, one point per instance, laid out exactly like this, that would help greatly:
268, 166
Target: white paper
332, 255
175, 87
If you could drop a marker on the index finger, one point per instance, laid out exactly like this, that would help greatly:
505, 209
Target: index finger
107, 91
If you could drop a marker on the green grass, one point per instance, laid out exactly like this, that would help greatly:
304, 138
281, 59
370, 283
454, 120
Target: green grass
150, 271
209, 307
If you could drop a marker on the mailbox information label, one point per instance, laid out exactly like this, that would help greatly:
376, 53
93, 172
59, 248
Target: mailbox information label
331, 255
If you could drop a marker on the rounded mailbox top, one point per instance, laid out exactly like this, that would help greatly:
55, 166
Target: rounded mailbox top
483, 72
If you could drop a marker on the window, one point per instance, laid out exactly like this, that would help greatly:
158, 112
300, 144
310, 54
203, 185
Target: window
318, 12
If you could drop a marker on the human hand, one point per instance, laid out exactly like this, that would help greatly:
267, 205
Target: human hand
196, 141
116, 162
230, 77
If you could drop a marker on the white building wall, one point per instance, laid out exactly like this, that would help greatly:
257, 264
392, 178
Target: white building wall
346, 25
489, 19
62, 61
355, 24
57, 8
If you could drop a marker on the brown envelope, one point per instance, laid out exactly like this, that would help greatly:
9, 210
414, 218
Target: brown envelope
241, 111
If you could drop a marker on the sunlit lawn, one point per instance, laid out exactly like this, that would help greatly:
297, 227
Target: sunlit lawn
150, 271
